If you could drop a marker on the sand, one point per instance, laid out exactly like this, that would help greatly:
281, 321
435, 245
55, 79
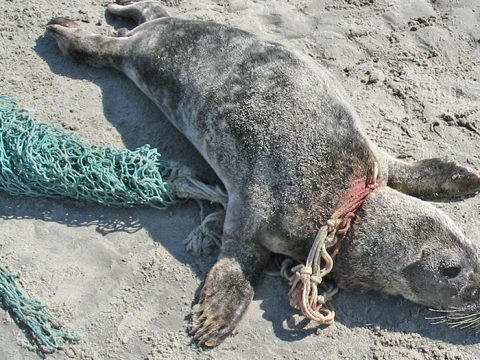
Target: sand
123, 277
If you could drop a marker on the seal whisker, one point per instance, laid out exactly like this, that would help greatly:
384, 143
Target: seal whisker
443, 317
476, 325
464, 321
459, 324
475, 322
465, 317
440, 321
456, 318
470, 324
449, 310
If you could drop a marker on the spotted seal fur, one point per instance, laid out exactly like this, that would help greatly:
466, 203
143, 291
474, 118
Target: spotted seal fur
281, 136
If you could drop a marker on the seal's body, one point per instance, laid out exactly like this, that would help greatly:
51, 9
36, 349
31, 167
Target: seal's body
280, 135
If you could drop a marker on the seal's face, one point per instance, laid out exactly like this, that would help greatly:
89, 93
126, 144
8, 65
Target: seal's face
404, 246
446, 272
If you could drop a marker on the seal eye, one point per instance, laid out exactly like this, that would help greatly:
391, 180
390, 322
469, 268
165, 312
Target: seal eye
451, 271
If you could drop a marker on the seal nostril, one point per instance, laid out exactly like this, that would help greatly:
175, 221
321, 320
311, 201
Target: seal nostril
451, 271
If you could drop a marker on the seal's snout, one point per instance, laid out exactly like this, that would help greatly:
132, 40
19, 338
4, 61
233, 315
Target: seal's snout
470, 293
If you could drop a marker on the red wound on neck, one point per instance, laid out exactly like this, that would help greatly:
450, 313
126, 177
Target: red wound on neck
353, 199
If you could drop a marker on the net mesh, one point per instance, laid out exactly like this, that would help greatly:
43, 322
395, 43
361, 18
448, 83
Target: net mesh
43, 160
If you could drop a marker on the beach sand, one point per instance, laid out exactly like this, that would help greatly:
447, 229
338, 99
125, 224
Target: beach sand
123, 276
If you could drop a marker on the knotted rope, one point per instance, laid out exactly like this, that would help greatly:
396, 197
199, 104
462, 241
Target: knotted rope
307, 278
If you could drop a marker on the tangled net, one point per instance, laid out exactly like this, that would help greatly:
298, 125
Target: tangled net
43, 160
46, 330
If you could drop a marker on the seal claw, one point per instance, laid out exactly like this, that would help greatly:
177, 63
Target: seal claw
125, 2
63, 21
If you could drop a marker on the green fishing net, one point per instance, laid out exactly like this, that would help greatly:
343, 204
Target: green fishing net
43, 160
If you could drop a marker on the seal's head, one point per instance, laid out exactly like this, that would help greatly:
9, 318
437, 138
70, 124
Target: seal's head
404, 246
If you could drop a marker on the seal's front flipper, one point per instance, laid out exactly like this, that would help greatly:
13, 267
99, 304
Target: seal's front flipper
223, 301
432, 178
228, 289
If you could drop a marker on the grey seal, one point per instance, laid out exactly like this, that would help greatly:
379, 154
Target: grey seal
277, 130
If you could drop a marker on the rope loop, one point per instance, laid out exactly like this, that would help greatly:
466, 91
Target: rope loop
307, 278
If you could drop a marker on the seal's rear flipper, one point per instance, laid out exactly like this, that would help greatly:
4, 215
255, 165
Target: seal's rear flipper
432, 178
139, 11
83, 46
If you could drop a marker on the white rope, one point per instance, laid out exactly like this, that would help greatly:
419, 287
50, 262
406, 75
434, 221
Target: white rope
304, 292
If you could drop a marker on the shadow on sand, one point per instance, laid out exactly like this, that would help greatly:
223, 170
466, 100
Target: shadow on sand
370, 310
138, 122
